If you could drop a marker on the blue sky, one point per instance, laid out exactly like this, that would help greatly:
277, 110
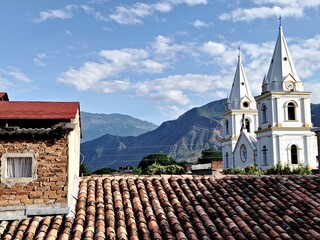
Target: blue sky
153, 60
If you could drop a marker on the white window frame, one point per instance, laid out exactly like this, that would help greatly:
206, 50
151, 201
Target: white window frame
13, 180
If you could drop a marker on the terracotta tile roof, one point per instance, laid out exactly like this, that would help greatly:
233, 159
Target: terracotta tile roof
38, 110
181, 207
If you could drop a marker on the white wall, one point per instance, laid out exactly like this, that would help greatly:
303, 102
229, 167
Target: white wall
74, 159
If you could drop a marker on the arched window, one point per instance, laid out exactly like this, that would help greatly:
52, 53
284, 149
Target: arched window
264, 113
264, 155
247, 124
294, 154
227, 159
227, 126
291, 111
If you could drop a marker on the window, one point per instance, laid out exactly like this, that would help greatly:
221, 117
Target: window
264, 155
247, 124
227, 159
245, 104
18, 167
291, 111
227, 126
294, 154
264, 113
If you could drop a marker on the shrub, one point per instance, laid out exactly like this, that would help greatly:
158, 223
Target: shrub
302, 170
84, 170
233, 171
252, 170
280, 169
169, 169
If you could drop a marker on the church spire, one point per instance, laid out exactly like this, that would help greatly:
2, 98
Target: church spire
240, 95
281, 69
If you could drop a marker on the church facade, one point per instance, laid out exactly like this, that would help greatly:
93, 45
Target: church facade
274, 126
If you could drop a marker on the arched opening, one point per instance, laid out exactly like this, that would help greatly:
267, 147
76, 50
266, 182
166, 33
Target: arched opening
264, 113
227, 126
264, 155
294, 154
227, 159
291, 111
247, 124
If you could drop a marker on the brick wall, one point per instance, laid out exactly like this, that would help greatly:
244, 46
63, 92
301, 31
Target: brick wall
50, 185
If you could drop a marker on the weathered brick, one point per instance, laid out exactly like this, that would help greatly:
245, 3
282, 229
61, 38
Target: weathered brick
52, 162
4, 202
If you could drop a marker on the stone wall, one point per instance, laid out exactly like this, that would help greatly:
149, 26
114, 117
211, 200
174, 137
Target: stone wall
49, 186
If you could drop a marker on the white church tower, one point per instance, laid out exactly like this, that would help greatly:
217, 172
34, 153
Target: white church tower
284, 129
241, 112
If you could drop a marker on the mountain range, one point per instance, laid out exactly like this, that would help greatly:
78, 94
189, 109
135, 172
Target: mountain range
95, 125
183, 139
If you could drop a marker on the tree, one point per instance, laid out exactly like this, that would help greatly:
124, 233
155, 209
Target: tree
84, 171
159, 158
104, 170
209, 155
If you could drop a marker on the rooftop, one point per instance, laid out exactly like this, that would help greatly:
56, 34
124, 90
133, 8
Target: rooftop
38, 110
183, 207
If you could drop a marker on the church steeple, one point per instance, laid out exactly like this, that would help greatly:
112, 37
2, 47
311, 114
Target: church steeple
282, 75
240, 95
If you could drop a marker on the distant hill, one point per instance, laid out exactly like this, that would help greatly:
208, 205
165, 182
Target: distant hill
315, 114
184, 139
95, 125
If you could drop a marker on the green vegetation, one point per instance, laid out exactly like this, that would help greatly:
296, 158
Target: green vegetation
209, 155
104, 170
159, 158
159, 163
168, 169
84, 171
278, 169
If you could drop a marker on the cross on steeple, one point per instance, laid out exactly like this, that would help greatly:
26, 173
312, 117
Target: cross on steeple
280, 21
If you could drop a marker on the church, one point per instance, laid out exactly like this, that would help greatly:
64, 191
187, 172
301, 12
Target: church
274, 126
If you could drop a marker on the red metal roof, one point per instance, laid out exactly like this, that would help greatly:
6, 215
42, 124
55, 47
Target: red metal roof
38, 110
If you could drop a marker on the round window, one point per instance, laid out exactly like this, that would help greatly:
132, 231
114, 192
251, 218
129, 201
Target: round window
245, 104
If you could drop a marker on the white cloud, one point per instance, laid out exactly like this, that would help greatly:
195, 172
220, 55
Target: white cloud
115, 69
17, 74
135, 13
177, 88
166, 49
39, 59
172, 111
131, 14
306, 55
112, 62
172, 95
68, 32
270, 8
91, 11
200, 24
4, 83
65, 13
189, 2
